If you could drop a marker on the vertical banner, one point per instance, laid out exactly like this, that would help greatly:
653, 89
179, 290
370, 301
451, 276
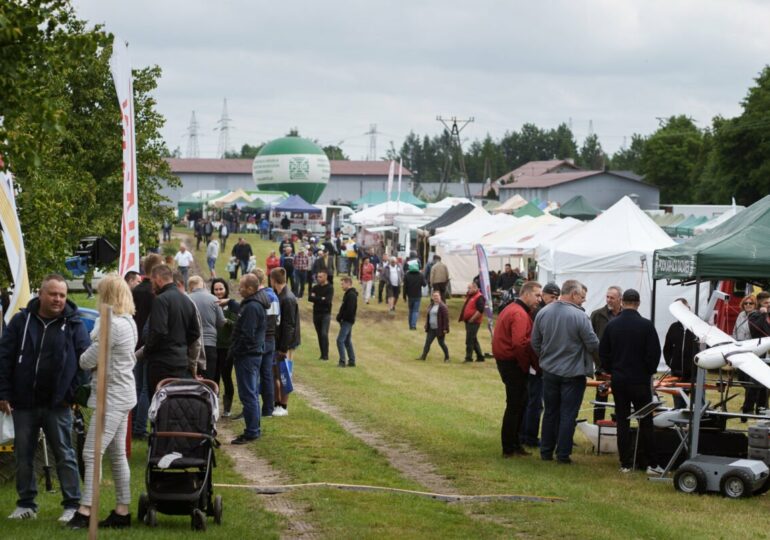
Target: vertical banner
481, 254
400, 171
331, 225
390, 178
14, 246
120, 66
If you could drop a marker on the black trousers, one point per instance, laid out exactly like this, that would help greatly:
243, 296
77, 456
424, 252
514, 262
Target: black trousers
212, 365
321, 321
429, 337
472, 342
156, 372
637, 395
225, 368
441, 288
515, 382
380, 288
599, 410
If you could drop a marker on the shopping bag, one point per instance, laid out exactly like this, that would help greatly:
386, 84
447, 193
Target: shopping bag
6, 428
286, 367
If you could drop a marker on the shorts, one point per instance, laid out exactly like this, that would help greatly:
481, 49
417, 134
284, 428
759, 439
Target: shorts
212, 263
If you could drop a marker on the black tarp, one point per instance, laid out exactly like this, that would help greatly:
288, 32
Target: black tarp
450, 216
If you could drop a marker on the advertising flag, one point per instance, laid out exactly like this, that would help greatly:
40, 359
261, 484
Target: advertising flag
14, 246
400, 171
390, 177
481, 254
120, 66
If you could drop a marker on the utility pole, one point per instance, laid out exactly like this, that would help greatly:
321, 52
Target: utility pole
223, 125
454, 134
372, 142
192, 138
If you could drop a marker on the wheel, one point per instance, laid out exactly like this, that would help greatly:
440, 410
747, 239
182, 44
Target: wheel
736, 484
218, 507
151, 519
144, 502
198, 520
690, 479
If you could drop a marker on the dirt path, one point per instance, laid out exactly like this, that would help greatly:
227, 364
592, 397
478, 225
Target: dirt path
401, 456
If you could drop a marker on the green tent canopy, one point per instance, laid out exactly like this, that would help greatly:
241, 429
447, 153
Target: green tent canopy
577, 207
671, 226
378, 197
528, 209
687, 228
738, 248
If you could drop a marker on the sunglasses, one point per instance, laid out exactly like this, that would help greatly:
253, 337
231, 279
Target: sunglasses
749, 304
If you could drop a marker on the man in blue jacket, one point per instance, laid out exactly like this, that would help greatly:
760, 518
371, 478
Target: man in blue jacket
39, 353
630, 352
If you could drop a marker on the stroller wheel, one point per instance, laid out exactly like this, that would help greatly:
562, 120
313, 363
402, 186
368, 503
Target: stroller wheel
198, 520
151, 519
218, 509
144, 502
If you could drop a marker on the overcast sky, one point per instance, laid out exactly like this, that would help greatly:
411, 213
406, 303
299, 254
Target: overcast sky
331, 68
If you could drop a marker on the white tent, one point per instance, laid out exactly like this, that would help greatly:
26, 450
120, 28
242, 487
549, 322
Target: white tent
511, 205
449, 202
380, 214
528, 238
466, 235
616, 248
721, 218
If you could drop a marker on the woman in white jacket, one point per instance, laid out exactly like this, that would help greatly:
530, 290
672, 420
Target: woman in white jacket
120, 399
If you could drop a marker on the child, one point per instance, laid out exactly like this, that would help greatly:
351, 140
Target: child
232, 267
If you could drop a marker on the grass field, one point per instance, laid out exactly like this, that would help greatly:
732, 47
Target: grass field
450, 413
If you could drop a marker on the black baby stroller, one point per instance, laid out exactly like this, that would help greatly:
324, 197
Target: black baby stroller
180, 453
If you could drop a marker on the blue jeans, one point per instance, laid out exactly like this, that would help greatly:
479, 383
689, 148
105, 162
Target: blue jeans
562, 397
247, 377
530, 425
139, 422
414, 311
244, 266
266, 387
345, 343
57, 426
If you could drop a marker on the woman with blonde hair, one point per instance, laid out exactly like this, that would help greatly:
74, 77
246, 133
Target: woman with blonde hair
120, 399
742, 329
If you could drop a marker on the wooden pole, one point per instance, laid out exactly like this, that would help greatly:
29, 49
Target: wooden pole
105, 321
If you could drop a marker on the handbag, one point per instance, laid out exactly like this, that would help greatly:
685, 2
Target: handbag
6, 428
285, 369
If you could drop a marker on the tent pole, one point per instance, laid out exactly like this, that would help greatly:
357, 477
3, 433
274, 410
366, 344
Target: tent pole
654, 299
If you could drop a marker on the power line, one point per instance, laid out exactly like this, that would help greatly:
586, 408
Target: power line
223, 125
372, 142
192, 138
454, 134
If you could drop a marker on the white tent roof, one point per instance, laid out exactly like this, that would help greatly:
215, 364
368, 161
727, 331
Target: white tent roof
511, 205
526, 241
700, 229
380, 213
449, 202
472, 216
471, 231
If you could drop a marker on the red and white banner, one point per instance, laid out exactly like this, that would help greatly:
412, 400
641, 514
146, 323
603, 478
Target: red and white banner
120, 66
13, 241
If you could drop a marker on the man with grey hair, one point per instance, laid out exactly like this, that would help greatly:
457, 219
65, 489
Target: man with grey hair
600, 318
564, 341
212, 319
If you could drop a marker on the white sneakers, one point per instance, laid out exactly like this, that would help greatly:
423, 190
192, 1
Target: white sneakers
656, 470
625, 470
67, 515
23, 513
280, 411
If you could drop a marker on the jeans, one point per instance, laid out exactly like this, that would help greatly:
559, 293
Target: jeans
562, 397
414, 311
321, 322
139, 421
247, 371
185, 271
530, 425
637, 395
266, 385
244, 266
472, 342
345, 343
515, 381
300, 279
57, 426
430, 335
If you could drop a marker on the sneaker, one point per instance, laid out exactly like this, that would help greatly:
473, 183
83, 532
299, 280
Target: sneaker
116, 521
226, 414
243, 439
656, 470
340, 364
351, 364
479, 359
467, 360
77, 520
625, 470
68, 514
446, 359
23, 513
280, 411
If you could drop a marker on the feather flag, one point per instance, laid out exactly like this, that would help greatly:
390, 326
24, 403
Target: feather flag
400, 171
14, 246
390, 177
481, 254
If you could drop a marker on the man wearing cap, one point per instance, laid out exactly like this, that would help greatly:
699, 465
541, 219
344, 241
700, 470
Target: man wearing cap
599, 321
563, 339
530, 422
630, 352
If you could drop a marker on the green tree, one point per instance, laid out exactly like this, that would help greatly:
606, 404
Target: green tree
247, 152
630, 158
335, 152
561, 143
591, 156
670, 157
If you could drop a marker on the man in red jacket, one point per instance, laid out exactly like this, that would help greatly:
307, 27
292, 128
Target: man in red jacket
472, 314
514, 355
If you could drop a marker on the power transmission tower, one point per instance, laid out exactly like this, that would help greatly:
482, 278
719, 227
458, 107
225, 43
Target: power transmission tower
454, 134
192, 138
372, 142
223, 125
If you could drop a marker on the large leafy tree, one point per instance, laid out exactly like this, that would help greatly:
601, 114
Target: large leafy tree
630, 158
61, 134
670, 157
591, 156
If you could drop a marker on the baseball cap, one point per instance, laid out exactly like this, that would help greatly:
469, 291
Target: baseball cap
631, 295
552, 288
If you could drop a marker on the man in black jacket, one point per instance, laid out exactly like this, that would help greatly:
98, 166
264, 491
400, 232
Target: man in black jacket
172, 328
679, 350
321, 295
242, 251
39, 353
413, 283
347, 318
630, 352
246, 350
287, 336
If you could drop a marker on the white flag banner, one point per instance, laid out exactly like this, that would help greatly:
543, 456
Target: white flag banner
14, 246
390, 177
400, 171
120, 66
332, 225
